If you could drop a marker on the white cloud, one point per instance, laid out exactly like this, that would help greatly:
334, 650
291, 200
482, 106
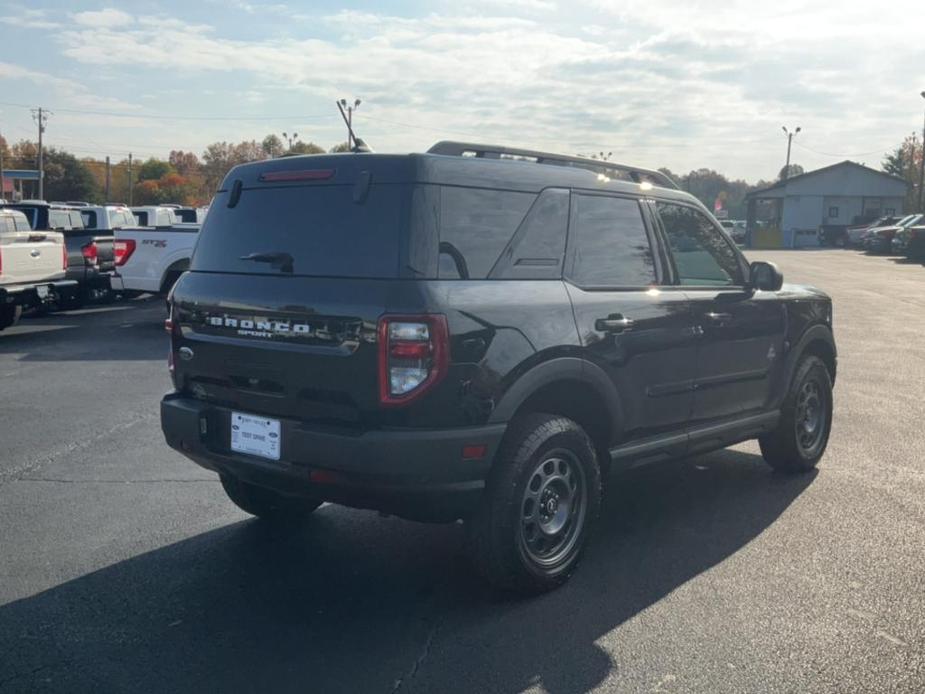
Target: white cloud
72, 93
26, 18
703, 84
107, 18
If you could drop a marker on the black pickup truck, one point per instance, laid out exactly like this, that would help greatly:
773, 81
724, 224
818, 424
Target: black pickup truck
480, 333
90, 252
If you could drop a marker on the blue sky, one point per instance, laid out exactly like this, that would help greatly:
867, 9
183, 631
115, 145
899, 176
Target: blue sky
658, 83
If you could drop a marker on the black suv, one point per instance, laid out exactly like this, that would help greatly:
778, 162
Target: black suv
480, 333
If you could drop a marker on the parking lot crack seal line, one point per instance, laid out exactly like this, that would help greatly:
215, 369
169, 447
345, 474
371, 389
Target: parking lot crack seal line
37, 463
419, 661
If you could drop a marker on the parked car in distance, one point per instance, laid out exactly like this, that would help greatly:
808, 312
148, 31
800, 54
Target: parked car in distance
191, 215
910, 242
90, 252
155, 216
880, 239
107, 217
32, 266
735, 229
480, 333
855, 234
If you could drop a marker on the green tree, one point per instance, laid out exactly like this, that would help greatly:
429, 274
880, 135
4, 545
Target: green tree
154, 169
306, 148
67, 178
342, 147
272, 146
904, 162
789, 171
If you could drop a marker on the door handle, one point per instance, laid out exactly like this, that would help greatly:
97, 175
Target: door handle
718, 317
614, 324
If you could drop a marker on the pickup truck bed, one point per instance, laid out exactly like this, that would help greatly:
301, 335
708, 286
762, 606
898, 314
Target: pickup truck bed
150, 259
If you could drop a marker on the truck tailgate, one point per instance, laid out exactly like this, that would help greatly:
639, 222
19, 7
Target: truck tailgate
31, 256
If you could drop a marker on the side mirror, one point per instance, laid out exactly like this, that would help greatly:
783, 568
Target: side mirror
765, 276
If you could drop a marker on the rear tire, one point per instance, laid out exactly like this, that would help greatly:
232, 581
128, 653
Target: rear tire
266, 504
541, 500
805, 423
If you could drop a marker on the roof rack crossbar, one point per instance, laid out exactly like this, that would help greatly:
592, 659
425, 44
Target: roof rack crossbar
635, 173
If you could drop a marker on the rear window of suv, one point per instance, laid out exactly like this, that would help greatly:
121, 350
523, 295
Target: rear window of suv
322, 228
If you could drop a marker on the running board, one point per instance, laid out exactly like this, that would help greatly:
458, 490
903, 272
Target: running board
695, 440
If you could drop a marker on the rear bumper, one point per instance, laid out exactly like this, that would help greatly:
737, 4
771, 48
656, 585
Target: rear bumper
34, 294
415, 473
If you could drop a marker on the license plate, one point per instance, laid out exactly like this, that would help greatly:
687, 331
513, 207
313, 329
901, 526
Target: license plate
255, 435
42, 291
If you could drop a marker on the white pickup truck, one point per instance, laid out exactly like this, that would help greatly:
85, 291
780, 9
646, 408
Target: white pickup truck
32, 266
152, 258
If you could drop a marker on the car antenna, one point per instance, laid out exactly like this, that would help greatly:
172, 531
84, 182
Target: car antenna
356, 144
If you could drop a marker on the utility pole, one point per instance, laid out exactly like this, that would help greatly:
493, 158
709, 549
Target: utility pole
130, 179
40, 116
108, 179
347, 113
922, 169
790, 136
2, 188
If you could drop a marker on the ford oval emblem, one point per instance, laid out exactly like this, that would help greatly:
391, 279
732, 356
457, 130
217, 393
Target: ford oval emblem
185, 353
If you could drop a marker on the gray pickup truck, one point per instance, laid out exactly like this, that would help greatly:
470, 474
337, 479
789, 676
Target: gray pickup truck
33, 266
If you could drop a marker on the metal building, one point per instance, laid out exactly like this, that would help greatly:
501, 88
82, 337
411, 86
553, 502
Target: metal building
793, 212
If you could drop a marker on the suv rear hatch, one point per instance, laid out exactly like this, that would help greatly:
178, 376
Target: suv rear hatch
296, 261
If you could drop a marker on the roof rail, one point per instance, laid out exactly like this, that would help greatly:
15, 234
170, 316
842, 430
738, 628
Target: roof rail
598, 166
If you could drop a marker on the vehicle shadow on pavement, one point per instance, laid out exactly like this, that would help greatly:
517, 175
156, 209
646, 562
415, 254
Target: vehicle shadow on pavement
354, 603
111, 333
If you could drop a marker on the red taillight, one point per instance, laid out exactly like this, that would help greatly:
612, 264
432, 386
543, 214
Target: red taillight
122, 250
64, 256
414, 352
90, 253
304, 175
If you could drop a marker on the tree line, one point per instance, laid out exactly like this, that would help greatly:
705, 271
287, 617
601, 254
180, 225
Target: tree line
184, 177
191, 179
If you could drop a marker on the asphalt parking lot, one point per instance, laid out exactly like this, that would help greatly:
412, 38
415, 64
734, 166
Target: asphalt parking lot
123, 568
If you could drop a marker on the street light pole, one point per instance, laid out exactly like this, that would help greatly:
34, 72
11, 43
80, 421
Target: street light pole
790, 136
922, 169
347, 113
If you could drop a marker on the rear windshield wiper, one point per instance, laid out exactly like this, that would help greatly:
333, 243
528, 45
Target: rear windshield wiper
282, 261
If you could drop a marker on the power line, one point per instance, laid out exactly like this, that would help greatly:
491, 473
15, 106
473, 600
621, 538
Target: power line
855, 154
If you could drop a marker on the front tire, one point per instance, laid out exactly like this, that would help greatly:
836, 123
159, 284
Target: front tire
806, 420
266, 504
542, 498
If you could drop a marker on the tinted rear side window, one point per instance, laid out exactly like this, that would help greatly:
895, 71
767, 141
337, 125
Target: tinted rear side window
475, 227
322, 228
611, 247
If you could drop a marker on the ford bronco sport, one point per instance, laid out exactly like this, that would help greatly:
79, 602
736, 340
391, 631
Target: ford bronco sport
480, 333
